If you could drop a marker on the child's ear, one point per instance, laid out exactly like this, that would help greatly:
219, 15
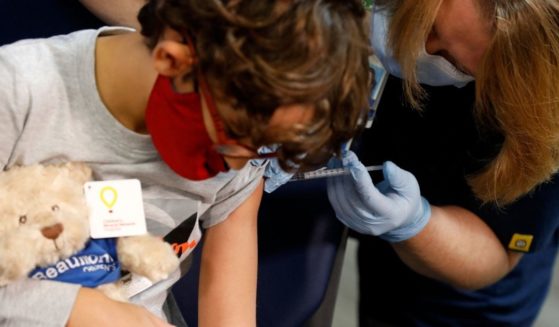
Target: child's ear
171, 56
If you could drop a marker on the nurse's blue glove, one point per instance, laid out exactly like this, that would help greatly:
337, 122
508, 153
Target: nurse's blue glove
394, 210
274, 176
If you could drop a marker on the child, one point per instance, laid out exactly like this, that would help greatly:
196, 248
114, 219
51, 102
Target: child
183, 107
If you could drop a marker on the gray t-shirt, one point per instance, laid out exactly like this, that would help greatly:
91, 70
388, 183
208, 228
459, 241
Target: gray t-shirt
51, 112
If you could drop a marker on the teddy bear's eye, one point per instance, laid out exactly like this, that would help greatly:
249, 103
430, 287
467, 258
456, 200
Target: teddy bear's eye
22, 219
55, 207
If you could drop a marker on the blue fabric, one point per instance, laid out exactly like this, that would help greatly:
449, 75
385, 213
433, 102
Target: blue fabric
405, 298
440, 146
536, 214
95, 265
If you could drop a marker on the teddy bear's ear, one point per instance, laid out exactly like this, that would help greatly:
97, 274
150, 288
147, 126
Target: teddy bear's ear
78, 171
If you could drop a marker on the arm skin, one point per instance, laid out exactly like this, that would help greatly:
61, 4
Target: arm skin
229, 268
92, 309
458, 248
122, 13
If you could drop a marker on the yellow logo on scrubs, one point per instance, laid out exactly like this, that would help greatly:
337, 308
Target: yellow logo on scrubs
521, 242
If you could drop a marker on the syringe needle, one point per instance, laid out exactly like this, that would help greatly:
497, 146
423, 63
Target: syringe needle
328, 172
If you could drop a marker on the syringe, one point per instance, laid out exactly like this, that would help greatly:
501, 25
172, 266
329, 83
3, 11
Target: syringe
327, 172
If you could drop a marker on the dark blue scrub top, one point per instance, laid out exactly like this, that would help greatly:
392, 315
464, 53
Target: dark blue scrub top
440, 145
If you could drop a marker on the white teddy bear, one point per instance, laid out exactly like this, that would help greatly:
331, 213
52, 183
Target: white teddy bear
44, 234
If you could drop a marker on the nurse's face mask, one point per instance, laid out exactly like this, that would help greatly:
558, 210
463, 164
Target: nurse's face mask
431, 69
176, 125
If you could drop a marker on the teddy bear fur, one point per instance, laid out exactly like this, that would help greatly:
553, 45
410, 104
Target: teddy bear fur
44, 219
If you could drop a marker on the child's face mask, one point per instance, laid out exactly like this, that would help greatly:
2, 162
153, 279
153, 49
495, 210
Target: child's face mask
175, 122
176, 125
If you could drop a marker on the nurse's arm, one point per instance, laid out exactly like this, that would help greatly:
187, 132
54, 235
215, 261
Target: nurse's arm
458, 248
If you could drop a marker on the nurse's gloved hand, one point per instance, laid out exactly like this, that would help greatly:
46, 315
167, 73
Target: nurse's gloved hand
274, 176
393, 210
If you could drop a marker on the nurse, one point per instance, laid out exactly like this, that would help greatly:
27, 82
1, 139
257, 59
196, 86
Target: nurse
467, 233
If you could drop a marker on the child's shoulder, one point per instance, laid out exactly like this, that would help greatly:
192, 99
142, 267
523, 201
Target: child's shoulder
34, 51
31, 56
25, 44
40, 64
60, 43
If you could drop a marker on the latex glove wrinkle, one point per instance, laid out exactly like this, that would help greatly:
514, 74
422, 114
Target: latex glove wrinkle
393, 210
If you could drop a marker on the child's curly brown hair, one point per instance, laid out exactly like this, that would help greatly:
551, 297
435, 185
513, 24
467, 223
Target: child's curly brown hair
263, 54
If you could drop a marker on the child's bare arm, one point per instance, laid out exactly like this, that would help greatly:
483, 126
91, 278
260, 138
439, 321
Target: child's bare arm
229, 268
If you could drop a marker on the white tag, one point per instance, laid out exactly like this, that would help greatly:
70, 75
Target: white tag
116, 208
133, 284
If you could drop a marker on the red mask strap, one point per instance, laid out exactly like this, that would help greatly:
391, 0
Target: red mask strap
216, 118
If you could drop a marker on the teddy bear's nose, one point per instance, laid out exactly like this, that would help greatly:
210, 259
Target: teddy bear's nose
52, 232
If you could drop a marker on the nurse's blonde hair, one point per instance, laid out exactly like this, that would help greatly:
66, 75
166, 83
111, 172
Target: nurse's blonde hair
517, 87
